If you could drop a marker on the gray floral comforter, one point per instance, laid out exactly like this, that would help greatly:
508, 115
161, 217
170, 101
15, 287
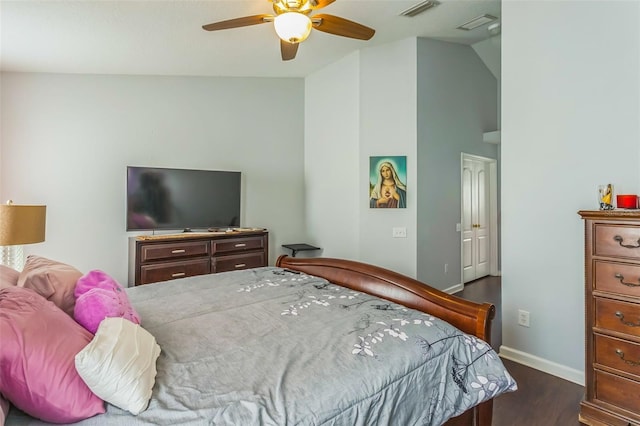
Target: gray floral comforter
273, 347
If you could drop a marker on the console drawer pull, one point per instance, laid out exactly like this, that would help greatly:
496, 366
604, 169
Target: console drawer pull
241, 265
621, 278
619, 240
178, 251
621, 355
178, 274
240, 245
629, 323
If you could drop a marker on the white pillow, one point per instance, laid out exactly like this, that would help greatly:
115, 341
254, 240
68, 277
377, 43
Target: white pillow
4, 409
119, 364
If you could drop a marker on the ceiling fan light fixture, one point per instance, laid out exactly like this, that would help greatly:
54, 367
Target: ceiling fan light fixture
292, 27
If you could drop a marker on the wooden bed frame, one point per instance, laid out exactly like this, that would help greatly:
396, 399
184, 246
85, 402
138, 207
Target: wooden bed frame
470, 317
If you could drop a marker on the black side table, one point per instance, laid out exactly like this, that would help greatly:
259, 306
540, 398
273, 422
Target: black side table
299, 247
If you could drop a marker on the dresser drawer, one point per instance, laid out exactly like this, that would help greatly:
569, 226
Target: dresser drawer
236, 245
618, 316
617, 241
236, 262
174, 250
618, 391
172, 270
619, 354
620, 278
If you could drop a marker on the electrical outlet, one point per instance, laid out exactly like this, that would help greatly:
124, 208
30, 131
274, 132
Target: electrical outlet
400, 232
523, 318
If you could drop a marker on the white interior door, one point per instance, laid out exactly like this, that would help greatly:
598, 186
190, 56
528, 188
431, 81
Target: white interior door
476, 243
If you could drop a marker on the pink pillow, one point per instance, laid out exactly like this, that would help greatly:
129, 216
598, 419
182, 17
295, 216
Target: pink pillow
55, 281
37, 361
8, 277
98, 296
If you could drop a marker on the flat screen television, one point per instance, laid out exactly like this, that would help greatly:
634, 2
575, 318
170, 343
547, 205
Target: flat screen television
182, 199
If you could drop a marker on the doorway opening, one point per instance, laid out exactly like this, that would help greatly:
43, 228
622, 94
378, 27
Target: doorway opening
478, 217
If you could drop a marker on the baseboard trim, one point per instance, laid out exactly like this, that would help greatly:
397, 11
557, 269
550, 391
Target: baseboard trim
454, 289
544, 365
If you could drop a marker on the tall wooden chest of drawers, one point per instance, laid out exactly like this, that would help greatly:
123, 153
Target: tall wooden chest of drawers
167, 257
612, 302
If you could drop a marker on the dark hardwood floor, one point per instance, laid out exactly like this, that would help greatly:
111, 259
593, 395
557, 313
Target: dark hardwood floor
541, 399
487, 289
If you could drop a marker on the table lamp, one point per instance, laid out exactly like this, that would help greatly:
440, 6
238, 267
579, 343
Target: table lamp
19, 225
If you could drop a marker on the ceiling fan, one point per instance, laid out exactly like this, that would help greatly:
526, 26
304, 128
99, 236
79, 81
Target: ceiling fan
293, 23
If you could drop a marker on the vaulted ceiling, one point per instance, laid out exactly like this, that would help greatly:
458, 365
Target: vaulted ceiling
165, 37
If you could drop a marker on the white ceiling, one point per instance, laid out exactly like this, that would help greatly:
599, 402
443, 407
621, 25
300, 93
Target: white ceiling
165, 37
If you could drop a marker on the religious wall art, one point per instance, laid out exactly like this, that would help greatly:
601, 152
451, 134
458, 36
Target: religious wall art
388, 182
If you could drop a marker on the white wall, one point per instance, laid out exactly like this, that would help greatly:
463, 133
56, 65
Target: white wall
1, 200
457, 103
425, 99
388, 114
489, 51
332, 158
570, 108
361, 106
67, 139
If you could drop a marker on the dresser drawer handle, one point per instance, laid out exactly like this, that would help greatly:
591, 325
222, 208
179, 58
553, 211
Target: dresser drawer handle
630, 324
621, 278
178, 251
240, 245
178, 274
241, 265
621, 355
619, 239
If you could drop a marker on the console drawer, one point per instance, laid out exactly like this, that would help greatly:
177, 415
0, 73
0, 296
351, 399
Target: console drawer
617, 241
617, 316
236, 245
166, 257
153, 252
619, 354
236, 262
620, 278
172, 270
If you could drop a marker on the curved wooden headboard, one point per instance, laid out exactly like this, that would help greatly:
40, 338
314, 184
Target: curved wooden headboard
470, 317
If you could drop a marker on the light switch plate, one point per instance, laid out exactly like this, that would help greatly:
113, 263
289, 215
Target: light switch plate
400, 232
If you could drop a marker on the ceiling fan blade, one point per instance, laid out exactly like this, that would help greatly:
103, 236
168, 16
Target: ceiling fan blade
288, 50
319, 4
237, 22
341, 27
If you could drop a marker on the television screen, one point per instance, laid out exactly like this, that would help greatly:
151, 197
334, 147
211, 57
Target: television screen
162, 198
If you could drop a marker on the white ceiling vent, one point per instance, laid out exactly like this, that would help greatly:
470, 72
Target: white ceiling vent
419, 8
477, 22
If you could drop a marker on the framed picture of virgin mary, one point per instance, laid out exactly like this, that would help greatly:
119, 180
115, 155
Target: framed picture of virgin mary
388, 182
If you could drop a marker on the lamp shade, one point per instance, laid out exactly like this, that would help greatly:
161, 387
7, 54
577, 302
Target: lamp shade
22, 224
292, 27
